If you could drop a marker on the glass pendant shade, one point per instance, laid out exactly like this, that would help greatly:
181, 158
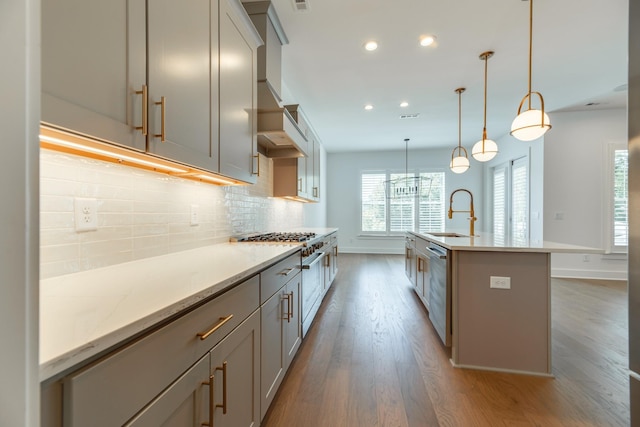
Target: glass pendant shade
530, 125
484, 150
459, 164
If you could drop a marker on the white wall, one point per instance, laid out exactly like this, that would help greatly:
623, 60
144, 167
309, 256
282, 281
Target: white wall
574, 187
20, 89
343, 189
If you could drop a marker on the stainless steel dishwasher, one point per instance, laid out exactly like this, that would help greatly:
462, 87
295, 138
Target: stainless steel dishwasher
440, 290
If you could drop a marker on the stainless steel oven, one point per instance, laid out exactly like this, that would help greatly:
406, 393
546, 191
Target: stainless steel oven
312, 267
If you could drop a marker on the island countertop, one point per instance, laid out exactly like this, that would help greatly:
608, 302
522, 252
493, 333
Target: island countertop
85, 313
482, 241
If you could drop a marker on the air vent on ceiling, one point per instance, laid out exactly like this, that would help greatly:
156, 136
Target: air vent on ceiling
300, 5
409, 116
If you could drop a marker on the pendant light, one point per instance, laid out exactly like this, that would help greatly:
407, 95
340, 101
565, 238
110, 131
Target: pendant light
530, 124
407, 186
459, 162
485, 149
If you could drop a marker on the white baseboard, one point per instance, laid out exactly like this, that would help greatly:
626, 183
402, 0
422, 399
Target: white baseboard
568, 273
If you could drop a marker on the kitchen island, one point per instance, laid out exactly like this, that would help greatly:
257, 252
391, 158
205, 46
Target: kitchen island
496, 302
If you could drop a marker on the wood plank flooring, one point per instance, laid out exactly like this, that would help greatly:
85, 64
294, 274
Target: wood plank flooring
372, 358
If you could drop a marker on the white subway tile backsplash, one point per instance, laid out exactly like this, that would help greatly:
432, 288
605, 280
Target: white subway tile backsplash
143, 214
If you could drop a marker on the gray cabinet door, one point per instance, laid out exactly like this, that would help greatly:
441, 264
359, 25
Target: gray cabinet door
303, 182
293, 323
181, 46
183, 404
93, 66
238, 97
235, 366
273, 363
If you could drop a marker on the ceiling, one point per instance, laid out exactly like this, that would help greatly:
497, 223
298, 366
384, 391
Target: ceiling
579, 57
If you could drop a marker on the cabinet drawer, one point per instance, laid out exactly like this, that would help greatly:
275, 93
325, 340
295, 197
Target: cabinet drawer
277, 275
112, 390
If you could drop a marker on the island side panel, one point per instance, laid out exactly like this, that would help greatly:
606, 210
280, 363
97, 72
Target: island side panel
502, 329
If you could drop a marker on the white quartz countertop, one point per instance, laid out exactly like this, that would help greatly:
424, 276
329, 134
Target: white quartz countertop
85, 313
489, 242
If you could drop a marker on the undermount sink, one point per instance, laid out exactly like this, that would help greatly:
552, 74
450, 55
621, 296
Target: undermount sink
445, 234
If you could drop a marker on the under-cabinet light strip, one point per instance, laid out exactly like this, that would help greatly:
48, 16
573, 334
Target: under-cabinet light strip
75, 144
117, 156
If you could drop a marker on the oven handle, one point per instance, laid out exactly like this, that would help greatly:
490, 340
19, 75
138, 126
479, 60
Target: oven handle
315, 261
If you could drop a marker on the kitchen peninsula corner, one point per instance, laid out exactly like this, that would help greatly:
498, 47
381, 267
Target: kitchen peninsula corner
497, 299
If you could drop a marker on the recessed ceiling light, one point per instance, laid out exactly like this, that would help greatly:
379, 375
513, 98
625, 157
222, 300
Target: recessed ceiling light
404, 104
368, 107
371, 45
427, 40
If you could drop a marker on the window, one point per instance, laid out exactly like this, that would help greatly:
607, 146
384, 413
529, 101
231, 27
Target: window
511, 201
618, 199
392, 216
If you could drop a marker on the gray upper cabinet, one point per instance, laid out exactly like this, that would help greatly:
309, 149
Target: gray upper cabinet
189, 69
94, 68
238, 95
182, 49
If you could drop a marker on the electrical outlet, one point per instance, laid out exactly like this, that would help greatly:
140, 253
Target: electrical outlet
497, 282
195, 215
86, 214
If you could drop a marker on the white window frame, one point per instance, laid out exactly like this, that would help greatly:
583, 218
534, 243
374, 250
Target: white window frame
416, 219
609, 202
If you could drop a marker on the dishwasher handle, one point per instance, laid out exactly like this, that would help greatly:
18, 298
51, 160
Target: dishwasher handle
436, 253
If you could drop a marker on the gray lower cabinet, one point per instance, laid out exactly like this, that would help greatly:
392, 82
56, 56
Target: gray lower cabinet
184, 403
281, 338
423, 279
221, 388
235, 372
93, 66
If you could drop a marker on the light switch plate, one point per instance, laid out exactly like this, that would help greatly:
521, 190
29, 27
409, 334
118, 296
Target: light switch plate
498, 282
195, 215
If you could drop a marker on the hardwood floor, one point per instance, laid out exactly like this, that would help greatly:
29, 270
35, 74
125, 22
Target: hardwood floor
372, 358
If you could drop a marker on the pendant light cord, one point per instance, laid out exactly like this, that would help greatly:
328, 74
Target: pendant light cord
530, 46
459, 120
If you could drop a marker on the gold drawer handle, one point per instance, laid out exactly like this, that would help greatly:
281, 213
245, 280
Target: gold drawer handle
287, 272
204, 335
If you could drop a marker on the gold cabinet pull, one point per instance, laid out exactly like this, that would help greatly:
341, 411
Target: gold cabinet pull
328, 262
257, 156
335, 251
315, 192
163, 109
287, 315
145, 109
204, 335
210, 383
224, 387
419, 265
287, 272
290, 314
